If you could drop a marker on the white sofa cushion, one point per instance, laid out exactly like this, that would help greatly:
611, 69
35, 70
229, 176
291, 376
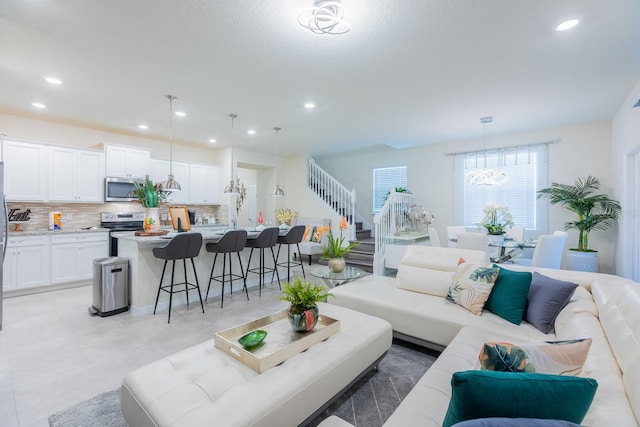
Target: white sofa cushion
429, 269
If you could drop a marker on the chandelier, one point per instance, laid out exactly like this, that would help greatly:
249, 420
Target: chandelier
486, 176
325, 17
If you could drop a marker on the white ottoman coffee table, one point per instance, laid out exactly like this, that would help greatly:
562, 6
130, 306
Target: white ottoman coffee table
203, 386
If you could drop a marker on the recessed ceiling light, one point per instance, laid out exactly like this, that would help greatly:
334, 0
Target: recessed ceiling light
38, 105
251, 132
567, 25
309, 105
213, 141
53, 80
180, 113
143, 127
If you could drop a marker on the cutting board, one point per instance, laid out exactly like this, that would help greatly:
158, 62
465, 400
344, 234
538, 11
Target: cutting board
151, 233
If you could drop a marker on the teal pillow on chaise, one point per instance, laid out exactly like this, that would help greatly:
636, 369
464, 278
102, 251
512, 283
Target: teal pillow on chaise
508, 298
486, 394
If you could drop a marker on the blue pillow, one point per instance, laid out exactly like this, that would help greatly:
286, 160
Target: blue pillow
508, 298
486, 394
547, 298
514, 422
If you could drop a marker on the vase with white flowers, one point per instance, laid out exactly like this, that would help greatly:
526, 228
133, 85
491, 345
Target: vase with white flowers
496, 219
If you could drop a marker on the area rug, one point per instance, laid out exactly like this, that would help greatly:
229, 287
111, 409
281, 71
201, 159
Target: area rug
368, 403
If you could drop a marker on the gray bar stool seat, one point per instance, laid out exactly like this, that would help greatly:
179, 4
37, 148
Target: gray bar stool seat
267, 238
181, 247
232, 241
293, 237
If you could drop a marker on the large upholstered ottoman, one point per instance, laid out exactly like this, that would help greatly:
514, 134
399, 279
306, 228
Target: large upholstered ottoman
203, 386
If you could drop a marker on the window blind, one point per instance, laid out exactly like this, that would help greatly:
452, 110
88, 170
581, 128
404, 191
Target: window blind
384, 179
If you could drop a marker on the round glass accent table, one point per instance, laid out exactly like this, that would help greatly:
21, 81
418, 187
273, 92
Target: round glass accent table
336, 279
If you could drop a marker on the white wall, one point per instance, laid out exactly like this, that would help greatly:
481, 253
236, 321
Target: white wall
584, 149
626, 143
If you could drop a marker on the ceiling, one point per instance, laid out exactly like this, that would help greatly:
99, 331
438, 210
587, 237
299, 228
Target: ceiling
410, 72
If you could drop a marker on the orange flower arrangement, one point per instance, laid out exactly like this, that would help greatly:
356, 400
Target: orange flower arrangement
334, 248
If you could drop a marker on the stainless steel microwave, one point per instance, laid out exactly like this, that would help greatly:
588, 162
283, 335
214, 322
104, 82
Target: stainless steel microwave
118, 189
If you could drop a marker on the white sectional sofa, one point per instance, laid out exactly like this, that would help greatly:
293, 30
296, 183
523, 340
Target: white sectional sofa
605, 308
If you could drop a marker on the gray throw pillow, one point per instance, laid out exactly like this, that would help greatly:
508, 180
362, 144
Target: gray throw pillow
547, 297
514, 422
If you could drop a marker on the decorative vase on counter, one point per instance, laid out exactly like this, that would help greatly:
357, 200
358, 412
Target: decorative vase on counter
152, 220
336, 265
305, 321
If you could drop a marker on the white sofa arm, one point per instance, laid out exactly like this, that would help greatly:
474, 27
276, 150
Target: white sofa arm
334, 421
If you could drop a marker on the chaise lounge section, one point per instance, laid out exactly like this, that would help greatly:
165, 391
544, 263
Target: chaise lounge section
604, 307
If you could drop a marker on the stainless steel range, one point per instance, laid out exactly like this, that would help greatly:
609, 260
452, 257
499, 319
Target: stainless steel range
129, 221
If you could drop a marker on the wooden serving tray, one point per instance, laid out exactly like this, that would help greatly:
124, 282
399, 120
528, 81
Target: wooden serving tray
280, 344
150, 233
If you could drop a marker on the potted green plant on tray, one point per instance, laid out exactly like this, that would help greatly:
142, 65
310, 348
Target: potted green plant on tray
303, 296
594, 212
151, 197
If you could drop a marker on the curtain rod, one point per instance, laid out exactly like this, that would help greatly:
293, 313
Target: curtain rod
511, 147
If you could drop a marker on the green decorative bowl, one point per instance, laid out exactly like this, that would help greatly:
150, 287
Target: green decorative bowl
252, 339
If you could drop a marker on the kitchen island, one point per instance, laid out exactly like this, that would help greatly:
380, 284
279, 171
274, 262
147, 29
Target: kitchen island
145, 269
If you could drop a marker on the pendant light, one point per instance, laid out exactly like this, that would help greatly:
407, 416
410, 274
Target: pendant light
277, 191
232, 188
171, 184
486, 176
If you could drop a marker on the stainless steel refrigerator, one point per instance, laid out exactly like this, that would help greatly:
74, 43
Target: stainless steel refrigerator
4, 226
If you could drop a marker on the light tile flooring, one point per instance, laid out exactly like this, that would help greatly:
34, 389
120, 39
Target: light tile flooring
53, 354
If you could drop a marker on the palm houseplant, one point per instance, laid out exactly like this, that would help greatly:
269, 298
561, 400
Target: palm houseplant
303, 297
336, 249
594, 211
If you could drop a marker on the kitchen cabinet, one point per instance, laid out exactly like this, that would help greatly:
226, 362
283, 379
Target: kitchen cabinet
76, 175
160, 172
203, 184
127, 162
72, 255
26, 262
25, 171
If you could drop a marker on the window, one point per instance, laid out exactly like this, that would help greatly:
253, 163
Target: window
384, 179
526, 173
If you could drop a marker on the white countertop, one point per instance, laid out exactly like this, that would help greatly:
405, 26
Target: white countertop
44, 231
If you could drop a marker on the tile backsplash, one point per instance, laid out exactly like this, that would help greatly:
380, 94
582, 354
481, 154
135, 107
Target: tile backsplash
81, 215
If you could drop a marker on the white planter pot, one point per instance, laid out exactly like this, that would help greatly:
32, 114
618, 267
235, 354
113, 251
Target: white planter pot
581, 261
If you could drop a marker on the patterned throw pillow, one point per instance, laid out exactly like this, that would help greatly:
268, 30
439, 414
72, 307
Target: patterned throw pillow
307, 233
471, 285
318, 232
550, 357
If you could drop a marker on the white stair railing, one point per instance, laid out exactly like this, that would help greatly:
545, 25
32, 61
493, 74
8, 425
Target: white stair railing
334, 194
392, 219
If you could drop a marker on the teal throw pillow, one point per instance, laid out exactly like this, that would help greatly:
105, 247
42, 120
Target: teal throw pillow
508, 298
486, 394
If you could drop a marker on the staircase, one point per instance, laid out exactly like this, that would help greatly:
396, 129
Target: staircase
362, 255
342, 201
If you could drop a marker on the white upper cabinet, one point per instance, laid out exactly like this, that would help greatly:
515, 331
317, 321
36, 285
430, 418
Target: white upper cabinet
160, 172
127, 162
76, 175
203, 184
25, 171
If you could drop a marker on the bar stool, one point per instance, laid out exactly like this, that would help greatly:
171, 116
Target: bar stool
293, 237
232, 241
182, 246
267, 238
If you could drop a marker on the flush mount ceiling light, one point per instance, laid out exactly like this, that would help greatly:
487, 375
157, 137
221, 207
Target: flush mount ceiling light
325, 17
309, 105
171, 184
567, 25
277, 191
38, 105
232, 188
486, 176
143, 127
53, 80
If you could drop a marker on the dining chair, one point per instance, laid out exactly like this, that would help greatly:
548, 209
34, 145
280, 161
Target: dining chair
434, 238
474, 241
452, 232
548, 251
515, 233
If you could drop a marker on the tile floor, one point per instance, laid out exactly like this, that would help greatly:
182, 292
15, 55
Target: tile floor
53, 354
